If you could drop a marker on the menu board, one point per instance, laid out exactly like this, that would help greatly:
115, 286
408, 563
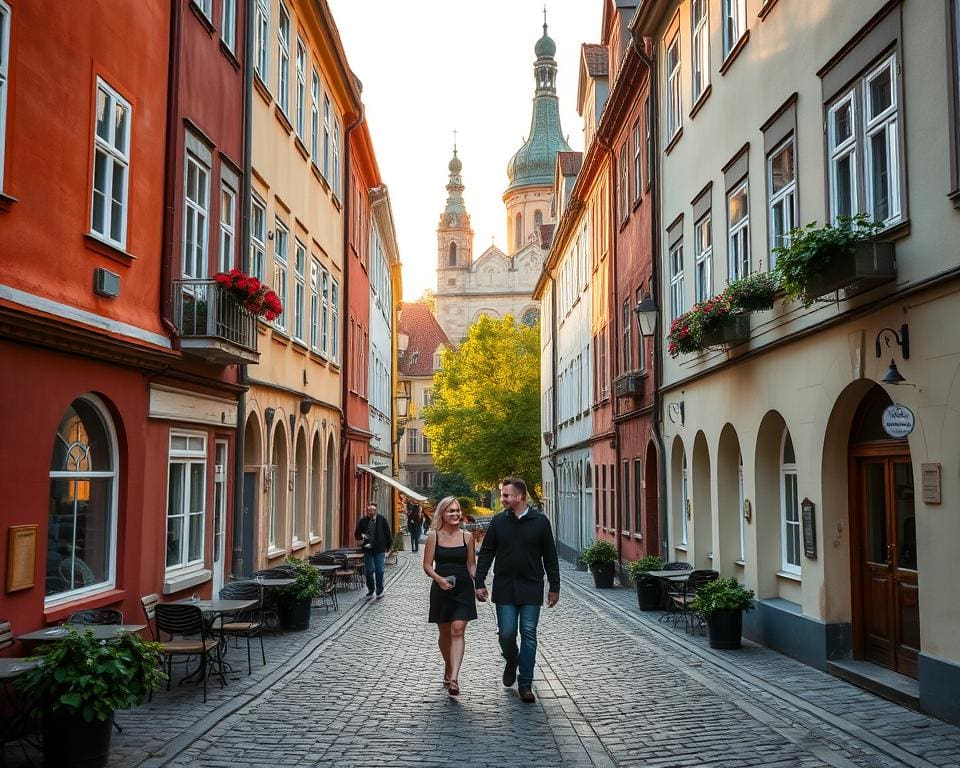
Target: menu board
808, 519
21, 556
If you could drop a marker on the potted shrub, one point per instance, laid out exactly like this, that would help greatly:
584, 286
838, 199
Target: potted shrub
79, 683
752, 293
295, 600
818, 260
601, 558
648, 588
722, 603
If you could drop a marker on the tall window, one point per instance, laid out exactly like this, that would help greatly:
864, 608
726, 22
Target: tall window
703, 259
324, 312
261, 38
228, 24
627, 337
315, 116
782, 187
186, 499
637, 154
623, 182
676, 280
738, 233
413, 440
789, 507
518, 231
734, 23
258, 238
315, 305
111, 164
637, 496
228, 226
881, 143
82, 518
648, 130
281, 240
196, 215
299, 289
206, 8
337, 181
684, 501
335, 321
301, 86
283, 59
325, 167
4, 76
673, 100
701, 47
452, 255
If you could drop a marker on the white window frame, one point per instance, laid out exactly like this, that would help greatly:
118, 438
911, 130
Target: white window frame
676, 280
734, 22
283, 59
334, 320
205, 7
324, 312
299, 289
784, 200
738, 235
789, 525
838, 151
703, 258
228, 24
258, 238
315, 115
623, 193
315, 305
5, 21
189, 458
228, 226
262, 41
301, 64
674, 98
886, 123
281, 243
637, 155
337, 181
115, 152
325, 167
701, 48
627, 333
196, 217
272, 507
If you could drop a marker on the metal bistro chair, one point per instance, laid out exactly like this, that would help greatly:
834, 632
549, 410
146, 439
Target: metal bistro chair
96, 616
248, 623
668, 588
149, 604
183, 621
683, 600
271, 616
345, 574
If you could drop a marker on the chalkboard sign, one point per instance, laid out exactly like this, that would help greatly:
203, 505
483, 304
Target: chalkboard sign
809, 521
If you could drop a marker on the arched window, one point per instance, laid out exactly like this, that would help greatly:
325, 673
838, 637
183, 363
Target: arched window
537, 220
453, 254
82, 523
789, 507
518, 231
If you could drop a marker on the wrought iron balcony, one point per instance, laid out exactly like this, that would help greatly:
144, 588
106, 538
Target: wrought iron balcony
212, 325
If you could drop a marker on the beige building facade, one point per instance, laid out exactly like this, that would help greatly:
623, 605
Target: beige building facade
779, 469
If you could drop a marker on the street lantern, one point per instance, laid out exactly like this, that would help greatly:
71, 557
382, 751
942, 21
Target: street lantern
646, 315
402, 399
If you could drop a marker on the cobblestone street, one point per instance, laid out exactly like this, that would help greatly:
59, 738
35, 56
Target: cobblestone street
615, 688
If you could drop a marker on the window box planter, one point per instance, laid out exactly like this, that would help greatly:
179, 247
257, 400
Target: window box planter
868, 265
733, 330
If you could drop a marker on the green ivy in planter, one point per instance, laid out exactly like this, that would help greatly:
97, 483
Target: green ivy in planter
599, 553
811, 248
753, 292
637, 568
722, 595
309, 583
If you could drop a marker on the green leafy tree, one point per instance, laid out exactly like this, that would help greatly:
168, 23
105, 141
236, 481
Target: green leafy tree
449, 484
485, 419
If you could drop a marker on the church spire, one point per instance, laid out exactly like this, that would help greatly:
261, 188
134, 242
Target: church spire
455, 202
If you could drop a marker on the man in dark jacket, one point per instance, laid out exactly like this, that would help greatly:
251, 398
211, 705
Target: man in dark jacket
373, 531
520, 540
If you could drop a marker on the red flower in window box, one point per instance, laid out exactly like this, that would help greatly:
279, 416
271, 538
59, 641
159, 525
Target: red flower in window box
250, 293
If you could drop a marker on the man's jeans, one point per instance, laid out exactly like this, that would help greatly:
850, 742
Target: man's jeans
414, 539
373, 565
508, 619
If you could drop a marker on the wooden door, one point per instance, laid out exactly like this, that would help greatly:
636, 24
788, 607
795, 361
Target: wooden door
890, 615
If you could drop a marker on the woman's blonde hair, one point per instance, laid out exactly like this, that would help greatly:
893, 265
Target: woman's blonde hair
437, 522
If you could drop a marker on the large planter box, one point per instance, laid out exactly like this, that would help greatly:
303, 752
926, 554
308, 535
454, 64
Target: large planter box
648, 593
733, 331
71, 742
294, 615
724, 628
871, 264
603, 575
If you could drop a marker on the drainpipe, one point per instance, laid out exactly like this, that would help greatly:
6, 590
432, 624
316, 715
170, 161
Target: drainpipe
170, 168
655, 274
554, 399
246, 194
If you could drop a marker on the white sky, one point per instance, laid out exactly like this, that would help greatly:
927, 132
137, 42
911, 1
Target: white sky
431, 66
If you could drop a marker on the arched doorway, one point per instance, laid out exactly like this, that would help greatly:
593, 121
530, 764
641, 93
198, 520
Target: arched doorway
886, 609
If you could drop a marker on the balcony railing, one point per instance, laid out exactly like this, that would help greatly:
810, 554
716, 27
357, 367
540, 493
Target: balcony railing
212, 325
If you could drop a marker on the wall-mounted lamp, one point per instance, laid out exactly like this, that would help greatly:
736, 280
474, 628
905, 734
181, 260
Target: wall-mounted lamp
902, 340
675, 411
646, 315
270, 235
305, 406
268, 414
548, 439
402, 398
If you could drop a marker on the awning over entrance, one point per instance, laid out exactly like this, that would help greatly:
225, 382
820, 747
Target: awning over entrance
409, 492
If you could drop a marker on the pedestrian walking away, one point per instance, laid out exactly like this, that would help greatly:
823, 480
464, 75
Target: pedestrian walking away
519, 543
373, 531
414, 526
449, 558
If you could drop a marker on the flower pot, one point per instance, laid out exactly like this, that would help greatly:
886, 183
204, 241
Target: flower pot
294, 614
755, 303
870, 264
724, 629
603, 575
648, 593
69, 741
733, 330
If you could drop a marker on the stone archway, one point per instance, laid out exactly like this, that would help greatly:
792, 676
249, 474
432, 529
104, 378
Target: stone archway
653, 536
766, 510
703, 555
732, 526
679, 499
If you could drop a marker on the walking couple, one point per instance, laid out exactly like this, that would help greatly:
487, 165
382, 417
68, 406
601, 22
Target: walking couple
519, 542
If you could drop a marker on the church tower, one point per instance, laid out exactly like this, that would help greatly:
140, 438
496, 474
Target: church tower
531, 169
454, 235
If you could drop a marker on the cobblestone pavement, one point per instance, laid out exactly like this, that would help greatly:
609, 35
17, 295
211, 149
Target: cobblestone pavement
615, 688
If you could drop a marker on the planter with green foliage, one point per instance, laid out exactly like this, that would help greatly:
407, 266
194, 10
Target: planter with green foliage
752, 293
648, 588
817, 261
734, 329
295, 600
722, 603
79, 683
601, 558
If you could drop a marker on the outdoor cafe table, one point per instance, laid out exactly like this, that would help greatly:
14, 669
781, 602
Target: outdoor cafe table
11, 668
266, 583
100, 632
670, 575
216, 607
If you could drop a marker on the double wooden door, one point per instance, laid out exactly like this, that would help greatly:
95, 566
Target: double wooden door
889, 633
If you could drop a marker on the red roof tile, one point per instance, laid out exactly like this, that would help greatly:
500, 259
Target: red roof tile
570, 162
546, 235
425, 336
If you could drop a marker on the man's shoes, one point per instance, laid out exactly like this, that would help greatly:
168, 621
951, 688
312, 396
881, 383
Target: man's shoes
370, 593
526, 696
510, 673
379, 595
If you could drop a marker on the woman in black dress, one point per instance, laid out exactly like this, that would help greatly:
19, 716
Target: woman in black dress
450, 559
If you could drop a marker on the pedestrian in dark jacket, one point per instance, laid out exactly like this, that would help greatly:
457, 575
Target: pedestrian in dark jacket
373, 531
519, 542
414, 526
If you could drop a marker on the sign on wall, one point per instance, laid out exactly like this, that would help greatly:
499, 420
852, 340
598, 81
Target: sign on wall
808, 520
897, 421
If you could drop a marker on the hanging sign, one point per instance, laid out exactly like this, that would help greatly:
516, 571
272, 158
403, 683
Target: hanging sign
808, 520
897, 421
